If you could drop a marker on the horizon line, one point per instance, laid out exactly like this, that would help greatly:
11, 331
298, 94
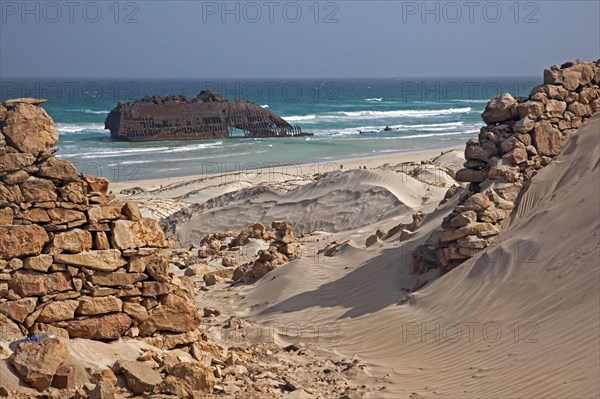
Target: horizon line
264, 77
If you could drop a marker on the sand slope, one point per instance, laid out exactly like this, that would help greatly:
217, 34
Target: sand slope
521, 319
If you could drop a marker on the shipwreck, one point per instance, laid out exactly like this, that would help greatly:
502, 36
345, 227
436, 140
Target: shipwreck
208, 116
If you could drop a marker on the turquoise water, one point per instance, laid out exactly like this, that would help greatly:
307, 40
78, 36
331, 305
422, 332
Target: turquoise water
423, 114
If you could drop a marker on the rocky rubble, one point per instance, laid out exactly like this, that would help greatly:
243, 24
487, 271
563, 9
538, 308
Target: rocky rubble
72, 259
247, 255
522, 136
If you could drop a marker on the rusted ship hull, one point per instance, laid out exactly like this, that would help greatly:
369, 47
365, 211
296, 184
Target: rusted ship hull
209, 116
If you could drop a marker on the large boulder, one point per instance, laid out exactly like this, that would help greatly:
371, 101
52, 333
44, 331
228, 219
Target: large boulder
58, 311
145, 232
104, 260
29, 128
139, 376
500, 108
37, 362
96, 185
472, 175
38, 190
89, 306
175, 313
547, 139
58, 169
571, 77
75, 240
21, 240
107, 327
18, 310
188, 380
15, 161
28, 283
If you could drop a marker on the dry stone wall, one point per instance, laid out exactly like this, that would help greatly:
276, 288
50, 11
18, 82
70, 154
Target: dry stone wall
522, 136
74, 261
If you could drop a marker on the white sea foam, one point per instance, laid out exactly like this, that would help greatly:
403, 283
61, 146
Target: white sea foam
79, 127
471, 101
374, 99
449, 126
88, 111
265, 106
370, 114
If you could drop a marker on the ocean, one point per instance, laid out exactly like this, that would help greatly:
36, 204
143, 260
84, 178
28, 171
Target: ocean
347, 117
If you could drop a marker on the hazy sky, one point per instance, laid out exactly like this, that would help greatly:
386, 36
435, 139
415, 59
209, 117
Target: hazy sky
189, 39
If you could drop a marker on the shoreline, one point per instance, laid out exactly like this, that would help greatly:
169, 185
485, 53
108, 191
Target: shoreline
299, 170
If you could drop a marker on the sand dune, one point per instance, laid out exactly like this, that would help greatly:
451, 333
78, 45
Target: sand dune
519, 319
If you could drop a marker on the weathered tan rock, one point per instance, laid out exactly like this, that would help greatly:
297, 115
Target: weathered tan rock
15, 161
502, 171
29, 128
143, 233
140, 377
37, 363
106, 327
580, 110
155, 288
580, 74
64, 378
30, 283
10, 194
188, 380
39, 328
547, 140
157, 266
104, 260
472, 175
500, 108
477, 202
9, 331
494, 214
55, 311
23, 100
372, 240
284, 232
102, 390
174, 313
524, 125
116, 279
16, 177
17, 241
40, 263
38, 190
36, 215
109, 211
515, 156
89, 306
96, 184
474, 228
75, 191
58, 169
460, 220
18, 310
533, 109
476, 153
74, 241
511, 143
101, 241
132, 211
6, 216
472, 241
136, 311
62, 215
555, 108
3, 288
